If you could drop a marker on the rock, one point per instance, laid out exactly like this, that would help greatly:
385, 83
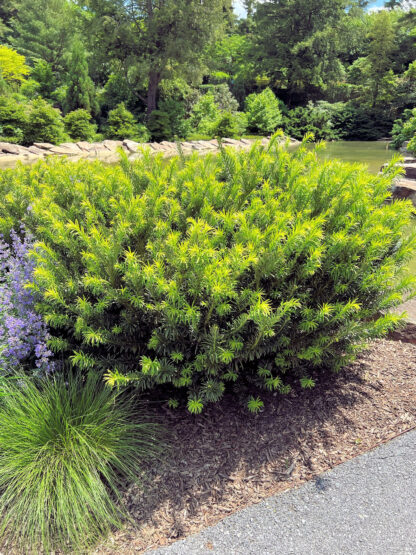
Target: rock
156, 147
409, 169
10, 148
35, 150
84, 145
169, 144
232, 142
132, 146
8, 160
64, 150
405, 189
71, 146
43, 146
112, 145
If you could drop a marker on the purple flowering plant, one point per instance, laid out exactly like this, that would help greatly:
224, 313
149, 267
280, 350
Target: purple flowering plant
23, 333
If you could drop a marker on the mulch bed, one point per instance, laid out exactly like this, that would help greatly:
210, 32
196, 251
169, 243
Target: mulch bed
226, 459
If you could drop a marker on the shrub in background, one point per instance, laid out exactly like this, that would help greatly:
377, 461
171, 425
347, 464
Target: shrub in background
321, 119
23, 333
404, 129
79, 127
205, 112
168, 121
13, 119
123, 125
65, 448
44, 124
229, 125
218, 269
263, 112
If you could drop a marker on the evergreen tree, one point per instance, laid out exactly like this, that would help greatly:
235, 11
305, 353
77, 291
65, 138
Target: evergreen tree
298, 44
155, 39
43, 29
80, 92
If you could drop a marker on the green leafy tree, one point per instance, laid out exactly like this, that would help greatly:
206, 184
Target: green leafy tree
157, 38
13, 68
80, 92
263, 112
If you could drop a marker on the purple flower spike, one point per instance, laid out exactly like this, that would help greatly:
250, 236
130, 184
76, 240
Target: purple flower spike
23, 333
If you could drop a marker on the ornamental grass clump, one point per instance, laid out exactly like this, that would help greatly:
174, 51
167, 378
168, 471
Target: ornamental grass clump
239, 269
66, 447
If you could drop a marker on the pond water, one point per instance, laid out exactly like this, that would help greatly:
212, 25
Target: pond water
372, 153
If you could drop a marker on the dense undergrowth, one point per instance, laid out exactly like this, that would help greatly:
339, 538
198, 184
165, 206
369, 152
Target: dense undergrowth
203, 273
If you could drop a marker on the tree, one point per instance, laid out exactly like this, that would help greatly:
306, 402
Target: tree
297, 42
157, 38
380, 53
80, 91
43, 29
13, 68
8, 9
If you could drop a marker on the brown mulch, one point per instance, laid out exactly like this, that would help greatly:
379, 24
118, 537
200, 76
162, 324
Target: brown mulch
226, 459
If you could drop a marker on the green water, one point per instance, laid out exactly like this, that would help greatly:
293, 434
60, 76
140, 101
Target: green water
372, 153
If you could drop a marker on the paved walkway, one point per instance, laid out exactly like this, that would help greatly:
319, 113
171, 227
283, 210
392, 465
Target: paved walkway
364, 506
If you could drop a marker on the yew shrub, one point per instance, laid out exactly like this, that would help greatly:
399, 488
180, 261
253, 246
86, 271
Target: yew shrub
242, 267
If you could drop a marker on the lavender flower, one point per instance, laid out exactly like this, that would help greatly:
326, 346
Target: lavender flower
23, 333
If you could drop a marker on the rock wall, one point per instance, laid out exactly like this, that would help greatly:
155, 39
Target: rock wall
107, 150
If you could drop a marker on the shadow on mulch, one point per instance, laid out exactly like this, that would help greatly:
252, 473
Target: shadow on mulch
226, 459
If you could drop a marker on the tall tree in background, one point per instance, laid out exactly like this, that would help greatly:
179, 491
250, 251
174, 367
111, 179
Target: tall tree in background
8, 9
298, 42
43, 29
80, 92
380, 55
158, 37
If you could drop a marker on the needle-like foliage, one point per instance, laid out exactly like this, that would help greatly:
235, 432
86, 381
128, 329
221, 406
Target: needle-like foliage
237, 268
65, 449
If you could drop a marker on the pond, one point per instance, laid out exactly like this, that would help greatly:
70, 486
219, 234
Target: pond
372, 153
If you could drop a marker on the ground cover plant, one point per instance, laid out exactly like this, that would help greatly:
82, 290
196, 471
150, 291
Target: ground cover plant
200, 274
66, 448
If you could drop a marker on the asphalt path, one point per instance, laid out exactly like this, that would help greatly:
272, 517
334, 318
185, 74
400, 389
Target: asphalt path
366, 506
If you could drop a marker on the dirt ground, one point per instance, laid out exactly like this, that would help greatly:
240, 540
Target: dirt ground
227, 459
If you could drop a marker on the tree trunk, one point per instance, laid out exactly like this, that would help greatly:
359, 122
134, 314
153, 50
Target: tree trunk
152, 90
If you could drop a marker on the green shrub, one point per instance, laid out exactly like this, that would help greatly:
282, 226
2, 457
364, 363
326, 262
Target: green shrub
79, 127
44, 124
319, 119
229, 125
13, 120
168, 121
204, 114
263, 112
65, 449
123, 125
404, 129
411, 147
198, 273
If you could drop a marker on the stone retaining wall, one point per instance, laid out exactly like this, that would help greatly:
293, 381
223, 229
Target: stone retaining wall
107, 150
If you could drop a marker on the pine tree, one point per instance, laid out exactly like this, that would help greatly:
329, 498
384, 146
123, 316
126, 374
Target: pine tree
80, 92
